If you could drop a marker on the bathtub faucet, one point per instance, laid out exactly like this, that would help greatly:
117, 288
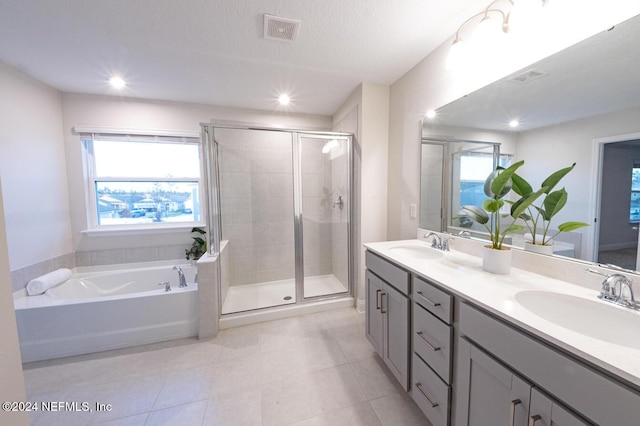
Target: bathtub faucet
182, 280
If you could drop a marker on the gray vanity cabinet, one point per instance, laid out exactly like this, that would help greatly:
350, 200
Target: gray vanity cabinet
492, 394
387, 320
544, 411
488, 392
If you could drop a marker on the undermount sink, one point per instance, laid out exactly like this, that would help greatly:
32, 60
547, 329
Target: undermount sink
416, 251
593, 318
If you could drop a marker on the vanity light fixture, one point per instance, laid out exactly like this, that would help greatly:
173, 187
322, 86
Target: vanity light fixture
117, 82
457, 49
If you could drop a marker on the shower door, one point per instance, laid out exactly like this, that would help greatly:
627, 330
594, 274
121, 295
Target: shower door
279, 212
322, 213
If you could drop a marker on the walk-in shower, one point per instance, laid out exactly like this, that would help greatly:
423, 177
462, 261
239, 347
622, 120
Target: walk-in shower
279, 215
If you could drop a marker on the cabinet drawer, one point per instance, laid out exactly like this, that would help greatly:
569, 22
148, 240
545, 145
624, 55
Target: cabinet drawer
433, 299
430, 393
388, 272
432, 341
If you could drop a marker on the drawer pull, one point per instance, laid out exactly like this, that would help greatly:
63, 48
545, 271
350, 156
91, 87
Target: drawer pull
512, 413
378, 299
432, 303
433, 348
433, 404
382, 311
534, 419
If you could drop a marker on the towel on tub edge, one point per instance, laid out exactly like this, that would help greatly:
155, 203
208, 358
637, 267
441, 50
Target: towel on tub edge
44, 282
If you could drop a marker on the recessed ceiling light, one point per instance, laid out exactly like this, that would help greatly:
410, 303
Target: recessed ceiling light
431, 114
117, 82
514, 123
284, 99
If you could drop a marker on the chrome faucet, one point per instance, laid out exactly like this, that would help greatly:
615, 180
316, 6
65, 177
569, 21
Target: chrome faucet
181, 279
438, 242
613, 288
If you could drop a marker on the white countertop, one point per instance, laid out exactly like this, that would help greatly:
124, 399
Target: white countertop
462, 274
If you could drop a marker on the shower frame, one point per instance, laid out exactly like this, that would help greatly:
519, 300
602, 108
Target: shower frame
211, 189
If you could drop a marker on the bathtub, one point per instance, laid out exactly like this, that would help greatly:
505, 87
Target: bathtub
102, 308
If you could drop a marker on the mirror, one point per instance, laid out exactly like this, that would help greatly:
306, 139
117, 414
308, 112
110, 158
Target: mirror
580, 105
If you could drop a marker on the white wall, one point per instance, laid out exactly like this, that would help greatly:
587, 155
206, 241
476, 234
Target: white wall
366, 114
429, 85
146, 114
11, 376
31, 147
551, 148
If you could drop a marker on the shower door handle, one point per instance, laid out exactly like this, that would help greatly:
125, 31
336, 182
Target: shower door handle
378, 299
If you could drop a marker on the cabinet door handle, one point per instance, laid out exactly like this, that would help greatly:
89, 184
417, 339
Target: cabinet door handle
378, 299
419, 387
431, 302
533, 419
512, 411
433, 348
382, 311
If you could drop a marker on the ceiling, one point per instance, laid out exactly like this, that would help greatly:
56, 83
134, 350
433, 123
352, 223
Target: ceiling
214, 52
596, 76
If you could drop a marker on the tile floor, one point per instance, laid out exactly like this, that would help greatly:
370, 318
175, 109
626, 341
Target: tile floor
310, 370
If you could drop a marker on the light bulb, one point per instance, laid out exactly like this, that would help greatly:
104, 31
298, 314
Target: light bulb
284, 99
117, 82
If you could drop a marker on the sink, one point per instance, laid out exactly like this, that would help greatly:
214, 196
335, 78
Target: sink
416, 251
593, 318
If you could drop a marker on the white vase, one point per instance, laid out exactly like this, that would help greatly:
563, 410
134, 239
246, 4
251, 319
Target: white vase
496, 261
538, 248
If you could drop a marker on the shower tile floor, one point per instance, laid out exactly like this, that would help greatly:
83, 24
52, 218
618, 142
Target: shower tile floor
310, 370
247, 297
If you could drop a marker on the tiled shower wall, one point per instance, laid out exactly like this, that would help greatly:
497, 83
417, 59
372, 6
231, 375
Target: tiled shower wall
256, 179
256, 196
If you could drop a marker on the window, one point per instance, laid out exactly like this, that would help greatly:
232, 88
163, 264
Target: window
142, 180
474, 169
634, 211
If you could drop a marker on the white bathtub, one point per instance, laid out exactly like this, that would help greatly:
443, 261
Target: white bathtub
102, 308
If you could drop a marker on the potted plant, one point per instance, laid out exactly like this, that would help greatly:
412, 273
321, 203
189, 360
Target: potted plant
496, 258
198, 247
537, 218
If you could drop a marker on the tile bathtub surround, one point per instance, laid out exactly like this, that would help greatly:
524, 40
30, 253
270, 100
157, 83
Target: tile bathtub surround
316, 369
20, 277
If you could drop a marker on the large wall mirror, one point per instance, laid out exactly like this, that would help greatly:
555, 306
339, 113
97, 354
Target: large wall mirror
581, 105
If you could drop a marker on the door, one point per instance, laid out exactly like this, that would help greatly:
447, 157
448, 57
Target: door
395, 311
324, 214
374, 315
488, 392
547, 412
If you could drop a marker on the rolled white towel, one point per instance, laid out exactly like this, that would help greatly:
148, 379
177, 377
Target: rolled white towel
44, 282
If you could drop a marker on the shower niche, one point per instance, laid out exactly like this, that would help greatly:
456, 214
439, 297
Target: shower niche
279, 207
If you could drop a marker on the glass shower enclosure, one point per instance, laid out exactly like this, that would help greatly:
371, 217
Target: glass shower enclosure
279, 215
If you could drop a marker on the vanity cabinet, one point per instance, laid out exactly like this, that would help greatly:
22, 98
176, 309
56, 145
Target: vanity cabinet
484, 382
432, 338
493, 356
387, 320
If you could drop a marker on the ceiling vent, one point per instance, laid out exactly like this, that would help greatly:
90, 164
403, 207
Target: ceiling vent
527, 77
280, 29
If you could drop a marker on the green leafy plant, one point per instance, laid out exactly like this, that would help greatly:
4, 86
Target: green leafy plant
537, 218
497, 185
198, 247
